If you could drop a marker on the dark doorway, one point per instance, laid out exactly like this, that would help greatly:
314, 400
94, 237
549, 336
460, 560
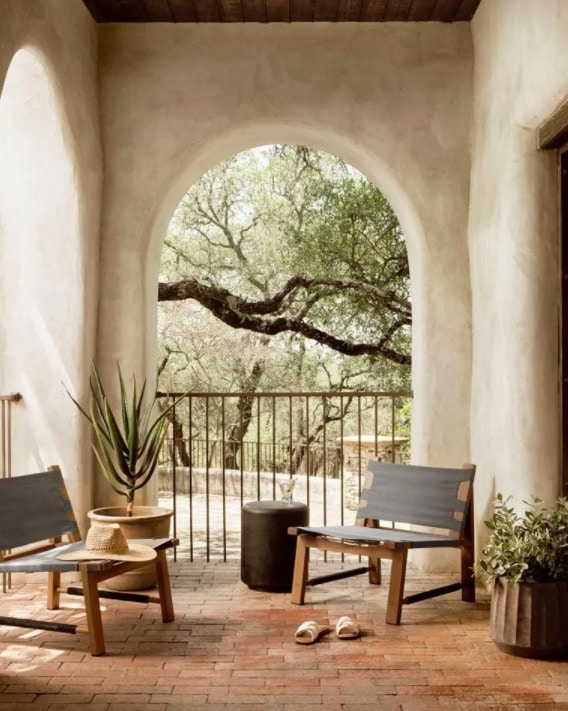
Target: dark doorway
553, 135
563, 167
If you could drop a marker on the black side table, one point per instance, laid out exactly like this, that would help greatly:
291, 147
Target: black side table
267, 551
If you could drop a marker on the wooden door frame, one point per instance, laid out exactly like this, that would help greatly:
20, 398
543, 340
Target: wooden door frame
553, 135
563, 315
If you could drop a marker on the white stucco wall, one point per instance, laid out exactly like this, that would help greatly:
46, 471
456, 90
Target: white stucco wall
50, 190
405, 103
520, 76
393, 100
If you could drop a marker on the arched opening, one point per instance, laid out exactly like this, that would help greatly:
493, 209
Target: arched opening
245, 138
285, 271
41, 262
137, 220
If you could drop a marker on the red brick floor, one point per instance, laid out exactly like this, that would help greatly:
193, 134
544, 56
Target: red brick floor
233, 648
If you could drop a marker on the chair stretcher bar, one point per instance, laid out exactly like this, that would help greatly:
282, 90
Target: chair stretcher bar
320, 579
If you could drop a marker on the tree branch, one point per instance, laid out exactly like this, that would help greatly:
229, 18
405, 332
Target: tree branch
239, 313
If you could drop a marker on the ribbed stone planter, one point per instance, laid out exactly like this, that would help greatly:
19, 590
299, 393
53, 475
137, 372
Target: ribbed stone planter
530, 619
146, 522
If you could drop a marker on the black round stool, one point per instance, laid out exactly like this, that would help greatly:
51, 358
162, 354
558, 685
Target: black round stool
267, 550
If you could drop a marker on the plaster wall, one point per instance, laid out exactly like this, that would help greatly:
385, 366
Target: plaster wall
50, 192
520, 76
395, 101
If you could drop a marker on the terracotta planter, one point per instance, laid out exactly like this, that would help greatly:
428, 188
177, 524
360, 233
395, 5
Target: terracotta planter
146, 522
530, 619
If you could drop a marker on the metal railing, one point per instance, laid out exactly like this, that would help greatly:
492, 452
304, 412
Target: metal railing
228, 448
6, 403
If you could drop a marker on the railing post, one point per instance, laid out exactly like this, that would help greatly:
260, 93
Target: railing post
6, 453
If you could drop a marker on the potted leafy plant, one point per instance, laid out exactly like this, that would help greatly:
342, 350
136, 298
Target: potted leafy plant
127, 446
526, 562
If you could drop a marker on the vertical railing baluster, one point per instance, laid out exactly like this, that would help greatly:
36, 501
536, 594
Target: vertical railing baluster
359, 435
207, 522
376, 424
360, 413
242, 453
324, 459
223, 474
290, 433
393, 426
191, 460
174, 476
258, 448
324, 464
273, 446
307, 444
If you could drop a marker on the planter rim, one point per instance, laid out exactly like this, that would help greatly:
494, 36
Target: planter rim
139, 513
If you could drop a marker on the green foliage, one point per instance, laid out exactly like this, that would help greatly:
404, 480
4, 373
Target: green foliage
533, 547
126, 445
257, 220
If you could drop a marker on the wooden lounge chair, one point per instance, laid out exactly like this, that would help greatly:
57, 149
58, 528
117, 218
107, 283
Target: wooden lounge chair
395, 496
35, 516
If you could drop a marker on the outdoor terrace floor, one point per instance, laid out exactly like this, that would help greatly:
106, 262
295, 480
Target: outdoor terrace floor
233, 648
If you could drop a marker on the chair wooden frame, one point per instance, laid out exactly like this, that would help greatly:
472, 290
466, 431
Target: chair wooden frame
36, 513
393, 495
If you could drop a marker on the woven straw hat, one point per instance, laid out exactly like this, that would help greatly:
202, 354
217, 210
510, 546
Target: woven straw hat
107, 542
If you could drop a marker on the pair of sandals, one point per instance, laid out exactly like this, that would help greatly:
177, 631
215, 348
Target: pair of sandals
309, 632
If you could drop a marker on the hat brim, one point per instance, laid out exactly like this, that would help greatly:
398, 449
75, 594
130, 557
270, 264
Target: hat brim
136, 553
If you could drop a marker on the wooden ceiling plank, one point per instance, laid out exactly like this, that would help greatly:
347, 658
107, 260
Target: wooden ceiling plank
421, 10
254, 11
466, 10
445, 10
325, 10
231, 10
93, 7
183, 10
349, 10
300, 11
158, 10
206, 10
278, 10
281, 10
109, 10
373, 10
397, 10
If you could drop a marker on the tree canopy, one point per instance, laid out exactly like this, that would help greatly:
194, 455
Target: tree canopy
289, 247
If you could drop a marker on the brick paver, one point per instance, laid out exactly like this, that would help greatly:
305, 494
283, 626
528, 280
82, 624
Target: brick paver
233, 648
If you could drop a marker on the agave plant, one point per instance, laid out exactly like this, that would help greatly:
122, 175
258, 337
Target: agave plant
126, 446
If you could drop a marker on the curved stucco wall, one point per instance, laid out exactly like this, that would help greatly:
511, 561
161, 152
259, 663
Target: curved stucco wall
392, 100
521, 75
50, 189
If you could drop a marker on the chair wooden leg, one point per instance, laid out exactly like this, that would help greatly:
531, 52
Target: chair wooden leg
93, 611
53, 585
300, 571
396, 587
375, 571
467, 579
163, 576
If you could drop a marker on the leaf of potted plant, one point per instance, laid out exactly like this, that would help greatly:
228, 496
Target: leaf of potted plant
127, 447
526, 562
